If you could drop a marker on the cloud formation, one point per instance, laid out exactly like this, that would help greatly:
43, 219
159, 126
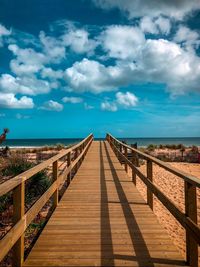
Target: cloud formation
52, 106
116, 57
139, 8
8, 100
157, 61
72, 99
3, 32
122, 100
122, 42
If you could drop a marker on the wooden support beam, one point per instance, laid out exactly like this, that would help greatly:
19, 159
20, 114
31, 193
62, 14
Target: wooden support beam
68, 164
55, 177
150, 177
18, 213
126, 155
76, 155
133, 171
191, 212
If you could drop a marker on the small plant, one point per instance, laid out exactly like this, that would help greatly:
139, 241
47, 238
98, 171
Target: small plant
4, 134
151, 147
35, 186
194, 149
16, 165
59, 146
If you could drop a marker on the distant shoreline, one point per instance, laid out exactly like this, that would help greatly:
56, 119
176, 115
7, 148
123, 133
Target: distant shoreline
141, 142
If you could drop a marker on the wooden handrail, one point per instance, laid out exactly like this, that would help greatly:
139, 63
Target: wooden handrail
190, 178
15, 237
187, 219
14, 182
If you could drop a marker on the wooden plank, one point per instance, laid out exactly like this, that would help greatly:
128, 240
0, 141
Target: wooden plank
102, 220
150, 177
18, 213
14, 182
189, 178
191, 212
184, 220
16, 234
55, 178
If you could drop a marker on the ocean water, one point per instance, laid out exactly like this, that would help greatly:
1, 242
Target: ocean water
188, 141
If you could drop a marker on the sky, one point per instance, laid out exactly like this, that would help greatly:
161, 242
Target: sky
72, 67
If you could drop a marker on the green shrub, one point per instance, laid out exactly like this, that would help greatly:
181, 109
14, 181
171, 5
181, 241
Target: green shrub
59, 146
195, 149
35, 186
5, 202
16, 165
151, 147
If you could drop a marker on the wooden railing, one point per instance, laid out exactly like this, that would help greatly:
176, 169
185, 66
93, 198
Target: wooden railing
187, 219
15, 237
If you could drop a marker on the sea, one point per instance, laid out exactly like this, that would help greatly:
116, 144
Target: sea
141, 142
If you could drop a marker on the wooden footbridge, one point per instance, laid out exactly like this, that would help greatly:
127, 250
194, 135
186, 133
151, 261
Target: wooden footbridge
101, 219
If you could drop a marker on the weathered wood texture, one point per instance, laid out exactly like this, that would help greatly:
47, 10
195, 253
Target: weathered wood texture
102, 220
15, 236
188, 219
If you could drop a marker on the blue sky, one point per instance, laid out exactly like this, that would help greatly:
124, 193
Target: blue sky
68, 68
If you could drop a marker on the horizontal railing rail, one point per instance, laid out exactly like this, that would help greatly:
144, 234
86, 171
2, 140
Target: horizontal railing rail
15, 236
187, 219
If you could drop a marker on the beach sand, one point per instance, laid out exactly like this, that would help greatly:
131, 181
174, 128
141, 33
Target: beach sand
173, 187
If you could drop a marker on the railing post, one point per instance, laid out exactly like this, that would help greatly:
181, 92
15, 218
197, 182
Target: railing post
18, 213
68, 164
191, 212
150, 177
55, 177
82, 148
126, 155
75, 156
133, 171
120, 149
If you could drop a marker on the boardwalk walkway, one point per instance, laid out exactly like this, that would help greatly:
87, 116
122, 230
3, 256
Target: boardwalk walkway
102, 220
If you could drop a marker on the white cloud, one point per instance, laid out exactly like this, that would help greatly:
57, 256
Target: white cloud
52, 106
108, 106
3, 32
155, 60
139, 8
51, 74
155, 25
122, 42
126, 99
122, 100
187, 36
72, 99
163, 24
88, 107
88, 75
53, 48
166, 62
8, 100
20, 116
148, 26
78, 40
29, 85
27, 60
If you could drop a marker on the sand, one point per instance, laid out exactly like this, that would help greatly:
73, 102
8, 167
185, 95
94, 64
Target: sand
173, 187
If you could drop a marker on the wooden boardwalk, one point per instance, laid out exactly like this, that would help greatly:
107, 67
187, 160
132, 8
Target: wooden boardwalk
102, 220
